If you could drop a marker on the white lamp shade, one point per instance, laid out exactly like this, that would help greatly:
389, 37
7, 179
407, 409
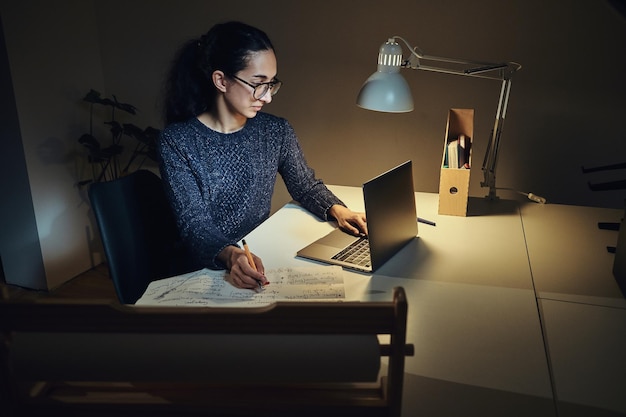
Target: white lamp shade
386, 92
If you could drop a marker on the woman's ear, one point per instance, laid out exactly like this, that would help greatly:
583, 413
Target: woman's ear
219, 80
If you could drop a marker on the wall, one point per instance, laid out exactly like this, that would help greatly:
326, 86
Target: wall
565, 103
565, 109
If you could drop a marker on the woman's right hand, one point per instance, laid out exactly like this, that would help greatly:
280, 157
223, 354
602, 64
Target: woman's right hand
242, 274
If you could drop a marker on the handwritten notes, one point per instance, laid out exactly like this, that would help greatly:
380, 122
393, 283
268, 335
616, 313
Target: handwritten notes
210, 288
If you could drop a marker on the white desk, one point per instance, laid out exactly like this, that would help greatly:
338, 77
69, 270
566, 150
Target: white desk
473, 314
582, 308
568, 253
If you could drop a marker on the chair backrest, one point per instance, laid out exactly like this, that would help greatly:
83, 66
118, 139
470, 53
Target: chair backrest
163, 394
138, 232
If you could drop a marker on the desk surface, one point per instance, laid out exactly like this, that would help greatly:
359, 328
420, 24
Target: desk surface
568, 253
582, 307
513, 310
473, 312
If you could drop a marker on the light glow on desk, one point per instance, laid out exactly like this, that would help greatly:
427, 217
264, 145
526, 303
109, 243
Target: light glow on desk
473, 319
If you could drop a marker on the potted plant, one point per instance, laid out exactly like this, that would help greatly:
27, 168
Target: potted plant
110, 161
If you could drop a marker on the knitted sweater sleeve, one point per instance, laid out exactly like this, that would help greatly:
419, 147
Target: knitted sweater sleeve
300, 179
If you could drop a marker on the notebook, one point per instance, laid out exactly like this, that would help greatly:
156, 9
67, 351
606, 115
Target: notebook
391, 222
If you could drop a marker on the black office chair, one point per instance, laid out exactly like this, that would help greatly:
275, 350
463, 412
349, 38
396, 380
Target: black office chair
138, 232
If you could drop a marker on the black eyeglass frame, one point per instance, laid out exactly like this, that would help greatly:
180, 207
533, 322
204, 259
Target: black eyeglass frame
270, 85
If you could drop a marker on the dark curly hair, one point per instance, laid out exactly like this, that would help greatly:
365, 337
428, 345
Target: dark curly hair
189, 90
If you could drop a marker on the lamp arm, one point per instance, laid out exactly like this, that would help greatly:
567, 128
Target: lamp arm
468, 68
480, 70
491, 154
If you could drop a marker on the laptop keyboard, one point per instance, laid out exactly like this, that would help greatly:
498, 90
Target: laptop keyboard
357, 253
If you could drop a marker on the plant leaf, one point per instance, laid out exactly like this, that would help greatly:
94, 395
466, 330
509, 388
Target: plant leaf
89, 141
93, 96
116, 128
133, 131
129, 108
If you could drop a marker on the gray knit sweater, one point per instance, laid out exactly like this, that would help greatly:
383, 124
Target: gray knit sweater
220, 185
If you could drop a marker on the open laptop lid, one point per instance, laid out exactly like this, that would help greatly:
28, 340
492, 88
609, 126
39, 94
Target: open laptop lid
391, 213
391, 221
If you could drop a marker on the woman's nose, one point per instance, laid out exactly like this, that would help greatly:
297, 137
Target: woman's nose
267, 98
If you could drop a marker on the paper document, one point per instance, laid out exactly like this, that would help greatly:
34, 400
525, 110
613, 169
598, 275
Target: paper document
207, 287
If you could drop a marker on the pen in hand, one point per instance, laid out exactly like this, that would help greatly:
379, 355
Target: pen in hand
251, 260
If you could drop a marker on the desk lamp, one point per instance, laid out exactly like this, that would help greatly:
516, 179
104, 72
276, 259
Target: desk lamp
387, 91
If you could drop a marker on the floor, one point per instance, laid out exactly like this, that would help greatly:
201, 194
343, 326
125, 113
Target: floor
94, 283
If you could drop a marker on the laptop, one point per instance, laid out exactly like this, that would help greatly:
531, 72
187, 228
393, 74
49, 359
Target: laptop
391, 223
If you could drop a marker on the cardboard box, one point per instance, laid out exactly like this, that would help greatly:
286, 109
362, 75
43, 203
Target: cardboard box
456, 163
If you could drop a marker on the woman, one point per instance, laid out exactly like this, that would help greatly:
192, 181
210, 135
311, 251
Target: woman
219, 154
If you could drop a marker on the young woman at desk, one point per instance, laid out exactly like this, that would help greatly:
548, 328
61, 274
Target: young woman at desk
219, 154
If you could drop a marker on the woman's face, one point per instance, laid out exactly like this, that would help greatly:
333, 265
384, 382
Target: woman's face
261, 69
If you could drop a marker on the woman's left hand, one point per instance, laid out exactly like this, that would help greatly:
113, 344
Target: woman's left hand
352, 222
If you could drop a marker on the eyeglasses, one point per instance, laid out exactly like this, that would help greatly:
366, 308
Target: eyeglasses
260, 90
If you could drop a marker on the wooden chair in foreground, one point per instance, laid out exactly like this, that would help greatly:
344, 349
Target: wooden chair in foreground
384, 323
